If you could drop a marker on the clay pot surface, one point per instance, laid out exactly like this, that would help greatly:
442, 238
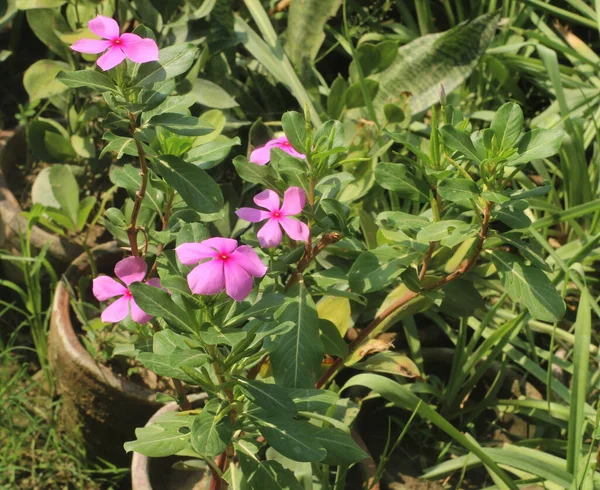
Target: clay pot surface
157, 473
101, 406
60, 252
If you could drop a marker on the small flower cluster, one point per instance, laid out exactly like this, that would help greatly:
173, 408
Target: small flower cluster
221, 264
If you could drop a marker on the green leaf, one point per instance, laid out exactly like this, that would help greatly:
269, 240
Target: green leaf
393, 113
294, 126
48, 24
579, 390
507, 124
390, 363
333, 342
297, 358
166, 342
511, 213
268, 396
305, 32
211, 433
157, 441
173, 61
397, 177
39, 4
354, 94
421, 66
377, 268
529, 286
401, 396
341, 448
163, 366
85, 208
181, 124
158, 302
166, 8
210, 94
262, 475
65, 190
292, 438
212, 153
121, 145
457, 190
194, 185
87, 78
460, 141
256, 174
40, 81
439, 230
537, 143
49, 141
337, 97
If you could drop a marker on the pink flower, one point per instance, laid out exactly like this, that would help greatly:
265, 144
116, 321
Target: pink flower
262, 155
270, 234
117, 46
230, 267
129, 270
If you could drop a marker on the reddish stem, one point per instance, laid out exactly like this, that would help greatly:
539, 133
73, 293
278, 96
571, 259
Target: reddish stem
410, 295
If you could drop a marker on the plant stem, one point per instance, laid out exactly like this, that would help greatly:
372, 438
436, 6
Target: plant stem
410, 295
310, 254
133, 229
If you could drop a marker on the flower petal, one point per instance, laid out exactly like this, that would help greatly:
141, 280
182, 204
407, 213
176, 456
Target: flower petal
270, 234
221, 245
111, 58
154, 282
248, 260
294, 200
252, 215
295, 229
131, 269
261, 156
139, 315
267, 199
91, 46
238, 282
140, 51
291, 151
193, 253
117, 311
207, 278
104, 27
105, 287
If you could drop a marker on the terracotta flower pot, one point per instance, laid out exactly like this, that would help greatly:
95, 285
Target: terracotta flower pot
157, 473
61, 252
103, 406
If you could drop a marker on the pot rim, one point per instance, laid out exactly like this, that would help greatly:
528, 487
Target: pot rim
65, 333
140, 464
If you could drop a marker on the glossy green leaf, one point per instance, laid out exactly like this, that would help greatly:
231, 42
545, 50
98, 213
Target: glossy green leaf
292, 438
354, 94
268, 396
297, 357
507, 124
210, 94
173, 61
397, 177
196, 187
460, 141
65, 190
529, 286
211, 433
40, 81
87, 78
181, 124
294, 126
459, 189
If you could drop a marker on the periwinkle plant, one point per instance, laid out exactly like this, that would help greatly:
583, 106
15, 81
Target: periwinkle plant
242, 324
